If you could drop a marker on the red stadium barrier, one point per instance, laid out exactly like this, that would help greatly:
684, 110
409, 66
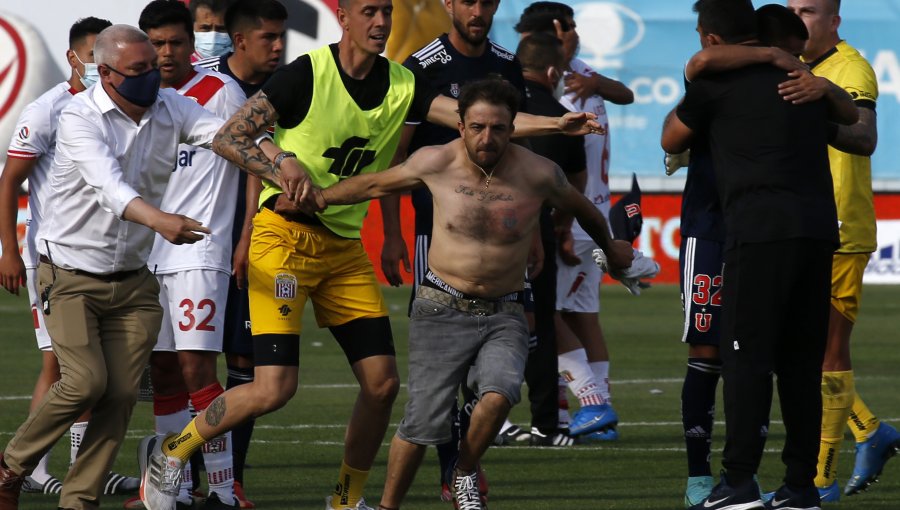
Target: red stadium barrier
660, 237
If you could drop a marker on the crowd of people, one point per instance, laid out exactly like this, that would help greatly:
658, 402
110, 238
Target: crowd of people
190, 192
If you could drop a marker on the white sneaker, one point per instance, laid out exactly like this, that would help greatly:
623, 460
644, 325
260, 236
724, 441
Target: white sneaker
160, 474
359, 506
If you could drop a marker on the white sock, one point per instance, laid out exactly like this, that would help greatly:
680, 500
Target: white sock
574, 368
601, 375
506, 425
76, 434
40, 473
220, 467
176, 422
563, 418
187, 484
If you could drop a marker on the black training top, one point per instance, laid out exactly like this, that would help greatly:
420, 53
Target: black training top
290, 89
769, 155
701, 212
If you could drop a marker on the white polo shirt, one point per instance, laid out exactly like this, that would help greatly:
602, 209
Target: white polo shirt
104, 160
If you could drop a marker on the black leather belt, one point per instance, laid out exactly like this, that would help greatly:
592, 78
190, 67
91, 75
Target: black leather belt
110, 277
297, 217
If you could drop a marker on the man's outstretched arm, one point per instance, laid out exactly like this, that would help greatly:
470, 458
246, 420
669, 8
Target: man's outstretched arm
444, 111
405, 176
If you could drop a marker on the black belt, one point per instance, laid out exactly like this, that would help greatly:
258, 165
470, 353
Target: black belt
109, 277
297, 217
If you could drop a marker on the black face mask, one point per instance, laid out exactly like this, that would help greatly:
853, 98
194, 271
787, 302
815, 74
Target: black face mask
140, 90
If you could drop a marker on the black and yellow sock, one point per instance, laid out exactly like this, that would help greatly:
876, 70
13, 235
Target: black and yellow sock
862, 422
349, 488
183, 445
837, 399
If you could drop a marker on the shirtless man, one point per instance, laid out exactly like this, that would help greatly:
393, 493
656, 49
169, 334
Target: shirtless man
469, 306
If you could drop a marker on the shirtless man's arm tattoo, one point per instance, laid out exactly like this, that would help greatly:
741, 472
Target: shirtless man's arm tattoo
236, 140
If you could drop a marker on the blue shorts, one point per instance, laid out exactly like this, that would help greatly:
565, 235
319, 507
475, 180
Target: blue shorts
236, 337
701, 262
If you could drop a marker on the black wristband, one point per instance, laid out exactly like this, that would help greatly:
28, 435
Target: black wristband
280, 157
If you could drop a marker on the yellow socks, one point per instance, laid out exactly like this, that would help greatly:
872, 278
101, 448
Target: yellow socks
349, 488
184, 445
862, 422
837, 398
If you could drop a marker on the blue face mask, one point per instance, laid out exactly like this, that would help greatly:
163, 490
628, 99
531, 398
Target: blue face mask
90, 76
212, 44
140, 90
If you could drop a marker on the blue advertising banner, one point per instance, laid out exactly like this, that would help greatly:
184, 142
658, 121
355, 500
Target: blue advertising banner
645, 44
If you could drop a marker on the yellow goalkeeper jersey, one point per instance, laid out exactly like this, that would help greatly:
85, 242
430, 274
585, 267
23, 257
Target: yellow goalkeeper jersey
852, 174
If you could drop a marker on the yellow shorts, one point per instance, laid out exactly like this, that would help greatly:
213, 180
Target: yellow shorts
290, 262
846, 282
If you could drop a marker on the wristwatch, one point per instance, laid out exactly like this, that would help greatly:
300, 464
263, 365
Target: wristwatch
280, 157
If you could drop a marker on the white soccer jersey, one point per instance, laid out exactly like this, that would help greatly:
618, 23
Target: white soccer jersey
35, 138
596, 148
203, 186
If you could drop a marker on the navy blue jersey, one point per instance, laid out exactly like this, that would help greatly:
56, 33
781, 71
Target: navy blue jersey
220, 64
701, 212
447, 70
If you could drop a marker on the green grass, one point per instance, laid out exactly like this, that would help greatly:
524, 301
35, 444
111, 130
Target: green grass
297, 450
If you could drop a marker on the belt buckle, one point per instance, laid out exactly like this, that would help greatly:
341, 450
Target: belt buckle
479, 307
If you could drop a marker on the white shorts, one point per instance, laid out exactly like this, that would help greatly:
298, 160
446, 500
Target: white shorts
193, 305
37, 313
578, 287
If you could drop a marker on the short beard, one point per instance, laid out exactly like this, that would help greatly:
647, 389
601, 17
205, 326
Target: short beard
461, 29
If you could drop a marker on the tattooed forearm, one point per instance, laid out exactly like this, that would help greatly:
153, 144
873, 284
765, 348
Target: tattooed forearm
216, 411
236, 140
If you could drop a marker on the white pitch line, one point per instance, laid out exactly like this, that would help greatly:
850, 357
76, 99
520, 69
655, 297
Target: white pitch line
349, 386
139, 433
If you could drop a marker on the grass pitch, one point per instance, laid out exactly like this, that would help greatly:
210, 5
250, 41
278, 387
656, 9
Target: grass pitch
296, 451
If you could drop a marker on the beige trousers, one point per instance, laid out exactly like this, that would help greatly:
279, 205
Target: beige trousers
103, 330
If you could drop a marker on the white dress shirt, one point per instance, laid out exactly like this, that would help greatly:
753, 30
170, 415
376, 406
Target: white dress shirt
104, 160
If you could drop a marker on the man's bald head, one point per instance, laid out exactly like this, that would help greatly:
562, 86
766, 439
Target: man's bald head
112, 40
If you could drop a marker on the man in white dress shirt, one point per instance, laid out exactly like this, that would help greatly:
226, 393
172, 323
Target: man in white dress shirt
115, 152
